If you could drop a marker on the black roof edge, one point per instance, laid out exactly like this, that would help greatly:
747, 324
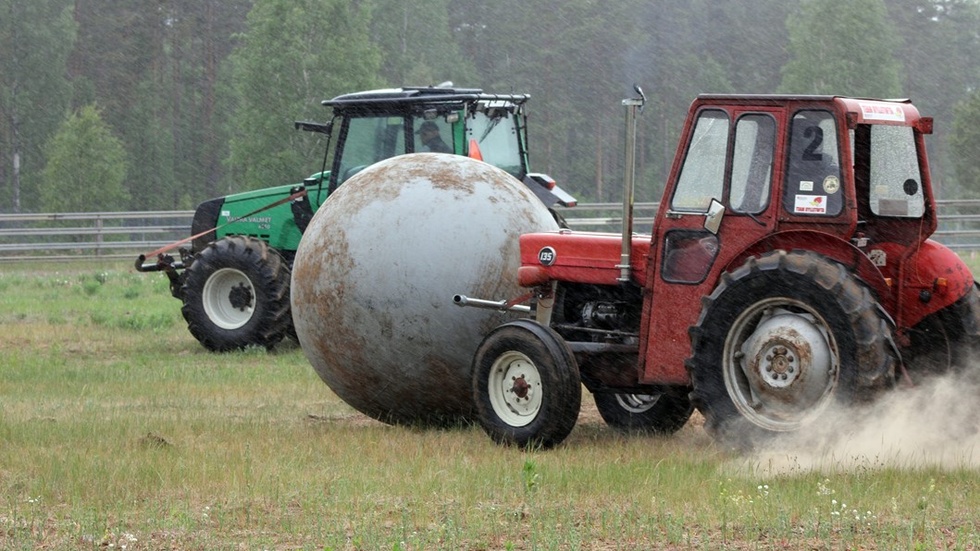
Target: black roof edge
414, 95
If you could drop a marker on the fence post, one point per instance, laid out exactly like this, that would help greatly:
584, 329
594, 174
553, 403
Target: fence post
98, 236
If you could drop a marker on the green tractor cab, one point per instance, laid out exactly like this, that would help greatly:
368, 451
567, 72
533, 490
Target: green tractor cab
233, 277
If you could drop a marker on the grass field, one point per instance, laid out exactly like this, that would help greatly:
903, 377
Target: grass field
117, 430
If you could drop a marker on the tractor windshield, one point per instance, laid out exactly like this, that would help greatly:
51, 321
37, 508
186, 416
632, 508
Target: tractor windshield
495, 133
370, 140
702, 177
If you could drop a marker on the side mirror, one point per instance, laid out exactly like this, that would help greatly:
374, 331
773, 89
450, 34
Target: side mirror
712, 218
317, 127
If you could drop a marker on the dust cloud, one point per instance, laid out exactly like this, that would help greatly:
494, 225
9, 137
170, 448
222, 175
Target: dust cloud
934, 424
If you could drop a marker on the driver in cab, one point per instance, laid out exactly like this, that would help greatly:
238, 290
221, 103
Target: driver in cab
429, 135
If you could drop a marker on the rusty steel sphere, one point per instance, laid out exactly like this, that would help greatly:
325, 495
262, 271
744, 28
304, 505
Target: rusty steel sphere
375, 274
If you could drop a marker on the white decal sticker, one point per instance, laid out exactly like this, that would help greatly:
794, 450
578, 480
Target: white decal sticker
878, 257
881, 111
810, 204
831, 184
806, 185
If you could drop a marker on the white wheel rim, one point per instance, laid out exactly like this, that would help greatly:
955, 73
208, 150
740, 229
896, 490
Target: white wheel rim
781, 374
637, 403
229, 298
515, 390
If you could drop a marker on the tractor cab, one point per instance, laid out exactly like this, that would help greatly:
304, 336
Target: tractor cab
375, 125
844, 178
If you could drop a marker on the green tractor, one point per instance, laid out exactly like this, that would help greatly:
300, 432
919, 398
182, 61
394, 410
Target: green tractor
233, 278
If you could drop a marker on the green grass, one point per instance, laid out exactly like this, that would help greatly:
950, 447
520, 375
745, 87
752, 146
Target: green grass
118, 430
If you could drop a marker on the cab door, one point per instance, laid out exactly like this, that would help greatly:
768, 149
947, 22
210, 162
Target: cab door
718, 201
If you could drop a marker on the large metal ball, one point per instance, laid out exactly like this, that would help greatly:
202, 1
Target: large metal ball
376, 271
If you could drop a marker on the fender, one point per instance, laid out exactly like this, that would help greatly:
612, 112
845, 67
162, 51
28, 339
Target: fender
932, 278
854, 259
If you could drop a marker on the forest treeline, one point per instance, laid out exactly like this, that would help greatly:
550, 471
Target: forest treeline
159, 104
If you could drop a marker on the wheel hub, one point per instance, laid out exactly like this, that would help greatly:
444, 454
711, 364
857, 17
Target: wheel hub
784, 367
240, 297
788, 359
779, 366
520, 388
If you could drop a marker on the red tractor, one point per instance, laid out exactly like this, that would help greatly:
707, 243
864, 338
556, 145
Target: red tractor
789, 267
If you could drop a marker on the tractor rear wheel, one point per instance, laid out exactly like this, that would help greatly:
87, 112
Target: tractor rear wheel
660, 413
236, 294
945, 341
781, 338
526, 385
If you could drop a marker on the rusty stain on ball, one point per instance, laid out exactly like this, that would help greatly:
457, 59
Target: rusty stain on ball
376, 271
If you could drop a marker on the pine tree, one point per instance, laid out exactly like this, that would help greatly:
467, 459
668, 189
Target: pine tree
294, 54
35, 39
842, 47
86, 167
965, 145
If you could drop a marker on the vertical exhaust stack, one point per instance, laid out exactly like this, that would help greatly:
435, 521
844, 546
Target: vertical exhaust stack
633, 106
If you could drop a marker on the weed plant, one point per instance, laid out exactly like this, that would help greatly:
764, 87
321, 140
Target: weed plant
118, 430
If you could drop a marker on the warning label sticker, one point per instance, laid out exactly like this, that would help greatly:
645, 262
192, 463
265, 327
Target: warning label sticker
810, 204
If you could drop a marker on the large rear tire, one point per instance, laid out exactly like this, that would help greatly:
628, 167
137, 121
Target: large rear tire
781, 338
236, 295
526, 385
659, 413
946, 341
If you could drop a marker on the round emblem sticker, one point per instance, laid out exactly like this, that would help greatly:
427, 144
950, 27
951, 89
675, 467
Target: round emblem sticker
547, 256
831, 184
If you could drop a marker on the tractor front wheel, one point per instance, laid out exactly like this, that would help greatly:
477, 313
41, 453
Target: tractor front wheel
236, 294
526, 385
780, 339
659, 413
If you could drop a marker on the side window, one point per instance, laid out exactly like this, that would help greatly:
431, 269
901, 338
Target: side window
688, 255
896, 183
369, 140
755, 138
702, 177
813, 185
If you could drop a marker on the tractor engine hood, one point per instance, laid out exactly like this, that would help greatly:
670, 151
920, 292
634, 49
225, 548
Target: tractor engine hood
579, 258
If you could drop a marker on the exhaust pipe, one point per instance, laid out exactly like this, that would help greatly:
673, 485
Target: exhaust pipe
501, 305
633, 107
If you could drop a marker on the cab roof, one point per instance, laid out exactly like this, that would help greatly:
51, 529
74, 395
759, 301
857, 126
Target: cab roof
416, 95
859, 110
